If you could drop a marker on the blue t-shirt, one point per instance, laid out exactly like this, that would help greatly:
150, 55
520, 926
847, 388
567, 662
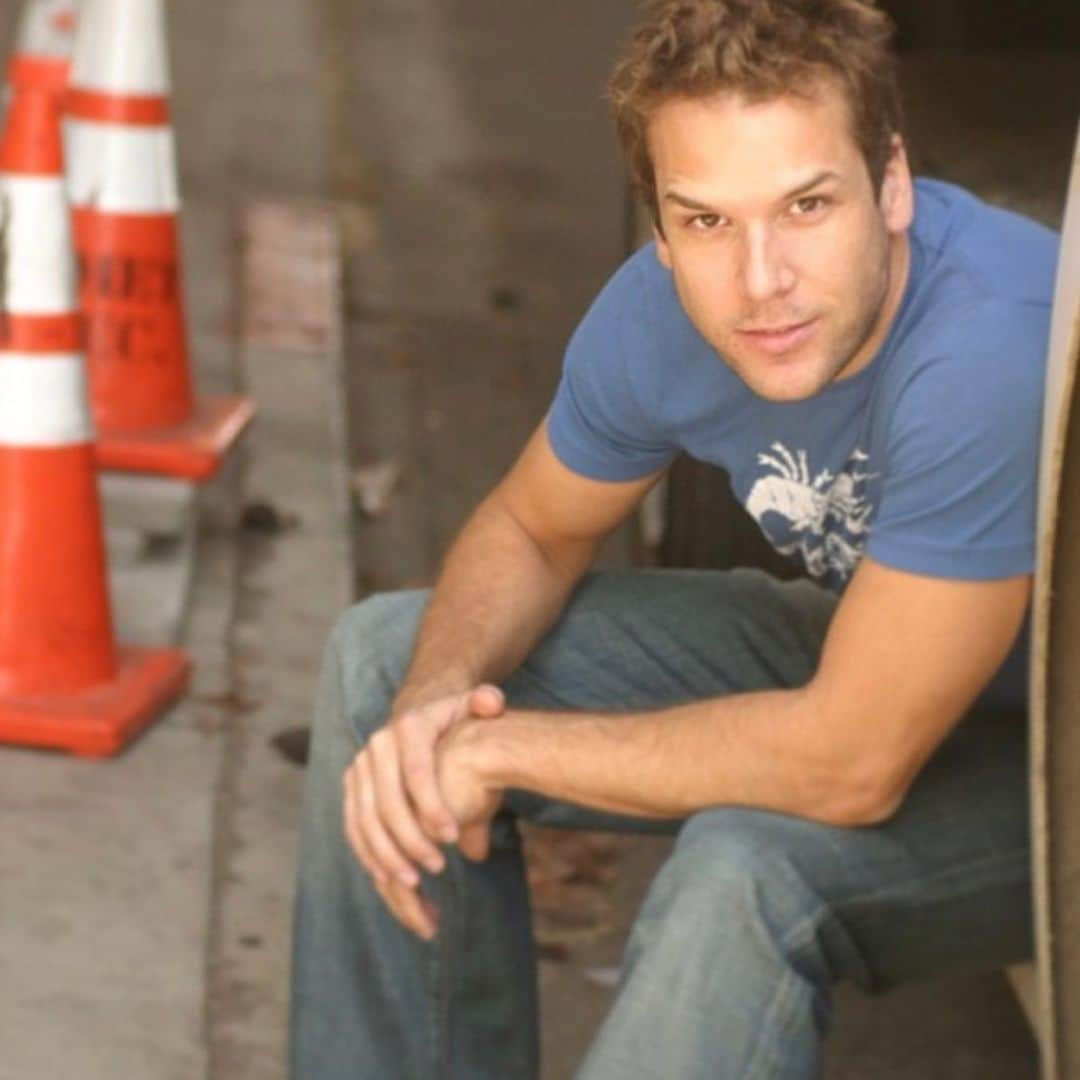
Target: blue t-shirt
926, 459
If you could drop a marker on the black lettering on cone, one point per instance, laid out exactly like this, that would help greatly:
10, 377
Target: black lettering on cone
147, 340
132, 339
113, 289
126, 278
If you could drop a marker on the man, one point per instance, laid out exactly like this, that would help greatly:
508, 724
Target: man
837, 756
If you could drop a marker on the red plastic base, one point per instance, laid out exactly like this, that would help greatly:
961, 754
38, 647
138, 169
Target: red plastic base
101, 720
191, 451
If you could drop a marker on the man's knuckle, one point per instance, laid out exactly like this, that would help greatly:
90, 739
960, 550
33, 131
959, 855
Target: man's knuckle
387, 853
417, 767
434, 822
368, 820
381, 742
418, 848
407, 722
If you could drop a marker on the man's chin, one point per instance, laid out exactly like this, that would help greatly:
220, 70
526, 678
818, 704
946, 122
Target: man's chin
788, 393
783, 379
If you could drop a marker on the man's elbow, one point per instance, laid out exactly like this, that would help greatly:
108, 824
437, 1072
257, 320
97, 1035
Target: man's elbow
866, 796
866, 765
864, 810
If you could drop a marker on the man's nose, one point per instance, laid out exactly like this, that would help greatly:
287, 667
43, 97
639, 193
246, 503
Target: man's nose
766, 273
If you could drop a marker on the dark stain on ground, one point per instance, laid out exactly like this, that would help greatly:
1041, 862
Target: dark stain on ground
504, 299
230, 701
262, 518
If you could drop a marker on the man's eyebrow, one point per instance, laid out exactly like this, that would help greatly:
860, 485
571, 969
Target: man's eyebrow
808, 185
686, 201
817, 178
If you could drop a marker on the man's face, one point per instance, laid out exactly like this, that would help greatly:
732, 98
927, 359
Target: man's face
783, 257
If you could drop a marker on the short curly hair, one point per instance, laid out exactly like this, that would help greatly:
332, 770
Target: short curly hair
760, 50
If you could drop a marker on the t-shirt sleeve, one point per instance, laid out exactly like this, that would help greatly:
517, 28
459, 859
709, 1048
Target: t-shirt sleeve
599, 425
960, 479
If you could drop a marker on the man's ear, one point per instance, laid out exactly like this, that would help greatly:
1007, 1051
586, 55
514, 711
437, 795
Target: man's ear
663, 252
897, 198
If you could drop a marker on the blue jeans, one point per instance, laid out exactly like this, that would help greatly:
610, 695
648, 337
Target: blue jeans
747, 925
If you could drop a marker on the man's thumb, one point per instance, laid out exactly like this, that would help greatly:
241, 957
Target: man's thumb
487, 701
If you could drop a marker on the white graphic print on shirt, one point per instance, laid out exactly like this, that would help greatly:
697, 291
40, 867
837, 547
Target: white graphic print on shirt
824, 519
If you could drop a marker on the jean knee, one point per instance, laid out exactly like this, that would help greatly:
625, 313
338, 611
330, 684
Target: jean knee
364, 662
732, 885
380, 626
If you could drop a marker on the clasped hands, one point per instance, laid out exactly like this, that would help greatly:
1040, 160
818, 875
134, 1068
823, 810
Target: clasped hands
415, 785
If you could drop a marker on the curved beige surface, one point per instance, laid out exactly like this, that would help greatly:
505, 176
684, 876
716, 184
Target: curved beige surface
1055, 674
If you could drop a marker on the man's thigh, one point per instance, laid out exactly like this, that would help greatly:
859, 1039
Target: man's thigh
640, 639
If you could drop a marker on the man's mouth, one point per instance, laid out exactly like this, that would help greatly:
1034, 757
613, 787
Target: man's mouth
780, 338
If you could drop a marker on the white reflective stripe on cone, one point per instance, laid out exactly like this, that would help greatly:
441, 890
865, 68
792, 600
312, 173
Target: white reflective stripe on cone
120, 48
43, 400
47, 28
121, 170
38, 268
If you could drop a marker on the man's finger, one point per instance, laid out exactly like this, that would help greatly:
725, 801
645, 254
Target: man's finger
415, 912
394, 810
422, 786
351, 816
385, 852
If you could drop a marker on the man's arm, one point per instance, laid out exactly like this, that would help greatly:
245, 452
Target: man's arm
504, 582
904, 658
509, 573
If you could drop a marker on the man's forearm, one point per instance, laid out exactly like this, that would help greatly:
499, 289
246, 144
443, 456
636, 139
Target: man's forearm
767, 749
497, 595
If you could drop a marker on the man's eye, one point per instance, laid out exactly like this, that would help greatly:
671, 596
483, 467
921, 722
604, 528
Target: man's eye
705, 222
807, 205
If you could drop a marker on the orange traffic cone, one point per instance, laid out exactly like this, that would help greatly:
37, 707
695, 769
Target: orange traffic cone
122, 183
43, 45
63, 683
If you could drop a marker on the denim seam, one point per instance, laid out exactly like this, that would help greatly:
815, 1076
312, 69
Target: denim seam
790, 982
442, 989
438, 997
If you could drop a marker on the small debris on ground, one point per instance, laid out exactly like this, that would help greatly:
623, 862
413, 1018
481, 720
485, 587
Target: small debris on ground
374, 484
293, 744
607, 977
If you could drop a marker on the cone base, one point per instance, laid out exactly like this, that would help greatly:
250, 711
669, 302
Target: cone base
101, 720
192, 450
